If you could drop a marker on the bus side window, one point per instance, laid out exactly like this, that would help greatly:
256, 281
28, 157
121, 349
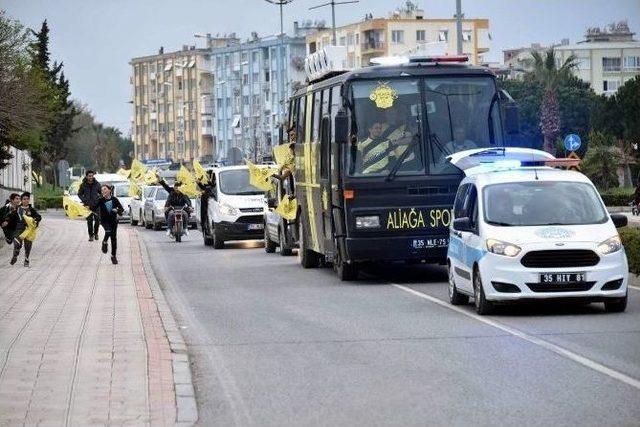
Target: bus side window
300, 125
335, 104
293, 115
325, 148
317, 102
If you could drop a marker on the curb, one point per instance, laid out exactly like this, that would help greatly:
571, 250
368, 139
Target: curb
187, 409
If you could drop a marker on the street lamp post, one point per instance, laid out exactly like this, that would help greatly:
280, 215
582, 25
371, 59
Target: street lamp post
459, 25
333, 4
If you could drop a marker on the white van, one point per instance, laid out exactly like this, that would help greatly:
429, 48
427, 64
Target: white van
235, 210
525, 231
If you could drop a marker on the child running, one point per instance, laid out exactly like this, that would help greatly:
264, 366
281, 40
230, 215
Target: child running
109, 207
17, 222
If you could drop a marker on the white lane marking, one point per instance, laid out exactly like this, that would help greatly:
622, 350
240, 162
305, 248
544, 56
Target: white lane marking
530, 338
637, 288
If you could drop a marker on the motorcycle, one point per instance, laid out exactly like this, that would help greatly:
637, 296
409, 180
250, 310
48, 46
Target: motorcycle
179, 229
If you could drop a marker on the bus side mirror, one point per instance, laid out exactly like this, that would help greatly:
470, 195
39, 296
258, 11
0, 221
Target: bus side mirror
341, 126
512, 118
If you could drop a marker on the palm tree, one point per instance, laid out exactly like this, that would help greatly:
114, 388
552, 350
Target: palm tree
548, 71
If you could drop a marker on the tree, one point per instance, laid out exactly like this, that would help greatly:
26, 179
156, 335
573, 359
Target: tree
547, 73
23, 94
601, 162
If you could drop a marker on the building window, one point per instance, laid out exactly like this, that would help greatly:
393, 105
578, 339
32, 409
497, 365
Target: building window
421, 36
466, 35
583, 63
266, 76
342, 41
350, 39
397, 36
611, 64
610, 86
632, 62
357, 39
443, 35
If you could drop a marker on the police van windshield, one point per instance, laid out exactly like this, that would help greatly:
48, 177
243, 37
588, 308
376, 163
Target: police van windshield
461, 112
542, 203
236, 183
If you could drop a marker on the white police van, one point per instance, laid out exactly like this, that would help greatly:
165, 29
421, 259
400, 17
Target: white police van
524, 230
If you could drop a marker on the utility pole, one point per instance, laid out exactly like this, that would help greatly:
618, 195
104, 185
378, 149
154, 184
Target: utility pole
459, 25
333, 4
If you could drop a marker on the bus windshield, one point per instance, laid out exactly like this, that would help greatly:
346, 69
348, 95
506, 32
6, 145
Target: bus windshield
460, 113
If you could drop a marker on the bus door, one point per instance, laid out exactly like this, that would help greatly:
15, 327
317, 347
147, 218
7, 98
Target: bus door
325, 176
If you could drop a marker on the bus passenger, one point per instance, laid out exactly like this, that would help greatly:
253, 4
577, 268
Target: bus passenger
459, 142
375, 152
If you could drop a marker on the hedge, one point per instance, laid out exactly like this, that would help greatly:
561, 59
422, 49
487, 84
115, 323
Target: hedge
631, 240
48, 202
617, 196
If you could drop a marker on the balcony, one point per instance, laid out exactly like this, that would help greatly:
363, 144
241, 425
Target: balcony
372, 46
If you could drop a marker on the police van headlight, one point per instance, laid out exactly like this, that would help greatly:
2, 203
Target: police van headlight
370, 221
502, 248
609, 246
228, 210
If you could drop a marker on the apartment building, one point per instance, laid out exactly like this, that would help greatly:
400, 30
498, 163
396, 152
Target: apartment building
172, 97
253, 81
607, 58
405, 31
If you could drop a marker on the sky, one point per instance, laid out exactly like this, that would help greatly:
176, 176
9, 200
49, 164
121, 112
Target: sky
97, 38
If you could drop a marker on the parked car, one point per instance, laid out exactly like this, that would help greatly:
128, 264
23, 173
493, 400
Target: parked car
121, 191
137, 205
278, 232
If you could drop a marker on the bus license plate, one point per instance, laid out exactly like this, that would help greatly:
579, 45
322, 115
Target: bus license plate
255, 226
562, 278
437, 242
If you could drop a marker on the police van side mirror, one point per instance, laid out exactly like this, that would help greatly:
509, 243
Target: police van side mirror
512, 118
619, 220
463, 224
341, 126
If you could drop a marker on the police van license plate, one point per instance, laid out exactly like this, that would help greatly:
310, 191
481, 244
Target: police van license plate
561, 278
437, 242
255, 226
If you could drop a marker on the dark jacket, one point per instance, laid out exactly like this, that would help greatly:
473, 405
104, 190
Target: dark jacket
637, 194
15, 218
109, 218
89, 193
175, 199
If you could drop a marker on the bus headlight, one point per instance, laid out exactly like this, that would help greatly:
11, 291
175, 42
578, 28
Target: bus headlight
228, 210
502, 248
609, 246
371, 221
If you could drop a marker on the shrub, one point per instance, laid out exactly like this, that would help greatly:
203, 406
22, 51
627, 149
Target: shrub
46, 202
617, 196
631, 240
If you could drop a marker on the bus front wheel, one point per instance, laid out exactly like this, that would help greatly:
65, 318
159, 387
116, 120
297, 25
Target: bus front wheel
346, 272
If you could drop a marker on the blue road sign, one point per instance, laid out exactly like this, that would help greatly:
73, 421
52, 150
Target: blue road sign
572, 142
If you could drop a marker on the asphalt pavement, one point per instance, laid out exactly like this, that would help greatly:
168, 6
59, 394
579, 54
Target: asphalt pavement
274, 344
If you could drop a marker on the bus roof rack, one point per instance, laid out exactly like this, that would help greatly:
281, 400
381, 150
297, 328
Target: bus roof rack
440, 58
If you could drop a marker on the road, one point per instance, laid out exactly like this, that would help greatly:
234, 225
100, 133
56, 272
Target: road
273, 344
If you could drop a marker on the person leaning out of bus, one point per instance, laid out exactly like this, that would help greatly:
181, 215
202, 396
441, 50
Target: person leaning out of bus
288, 168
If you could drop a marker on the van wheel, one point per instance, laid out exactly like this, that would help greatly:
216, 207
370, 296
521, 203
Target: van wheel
269, 246
131, 220
455, 297
616, 306
153, 222
141, 219
284, 249
206, 234
306, 257
218, 241
346, 272
482, 305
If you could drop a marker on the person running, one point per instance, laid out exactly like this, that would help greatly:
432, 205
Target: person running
10, 205
16, 219
89, 193
109, 207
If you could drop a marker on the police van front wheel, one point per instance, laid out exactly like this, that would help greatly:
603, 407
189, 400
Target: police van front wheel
307, 257
482, 305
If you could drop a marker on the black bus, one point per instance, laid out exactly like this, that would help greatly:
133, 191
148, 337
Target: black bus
372, 180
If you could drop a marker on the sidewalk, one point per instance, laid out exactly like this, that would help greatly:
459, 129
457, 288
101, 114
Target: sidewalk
82, 341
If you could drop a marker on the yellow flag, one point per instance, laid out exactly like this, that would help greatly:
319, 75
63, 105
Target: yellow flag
151, 176
74, 209
200, 172
137, 171
123, 172
134, 189
188, 184
30, 232
261, 177
283, 155
287, 208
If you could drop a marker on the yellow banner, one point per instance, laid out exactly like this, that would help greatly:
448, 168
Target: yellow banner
134, 189
287, 208
74, 209
188, 184
200, 173
151, 176
137, 171
30, 232
123, 172
283, 155
261, 177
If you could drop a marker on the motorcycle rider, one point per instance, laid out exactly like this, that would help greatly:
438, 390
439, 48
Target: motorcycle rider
176, 200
